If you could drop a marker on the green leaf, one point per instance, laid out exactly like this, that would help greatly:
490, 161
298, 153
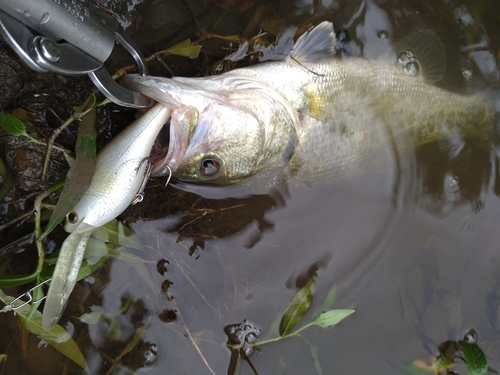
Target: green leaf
12, 125
94, 100
88, 269
135, 340
7, 178
57, 337
117, 233
77, 109
92, 318
96, 250
115, 330
275, 327
185, 48
37, 295
298, 307
314, 354
104, 102
3, 357
332, 317
88, 146
125, 306
329, 300
138, 264
7, 281
4, 266
237, 367
474, 358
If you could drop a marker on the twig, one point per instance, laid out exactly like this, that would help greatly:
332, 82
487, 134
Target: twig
245, 357
19, 218
37, 207
50, 144
189, 334
37, 141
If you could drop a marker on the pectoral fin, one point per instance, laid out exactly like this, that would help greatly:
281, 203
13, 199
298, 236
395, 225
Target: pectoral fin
65, 274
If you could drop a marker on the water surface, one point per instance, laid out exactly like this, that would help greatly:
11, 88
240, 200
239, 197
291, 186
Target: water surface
412, 245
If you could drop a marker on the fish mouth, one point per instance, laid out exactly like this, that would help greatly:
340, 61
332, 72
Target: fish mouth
182, 98
168, 151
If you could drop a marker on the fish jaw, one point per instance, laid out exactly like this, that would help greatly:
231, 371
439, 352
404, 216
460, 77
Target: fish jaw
234, 116
119, 173
173, 93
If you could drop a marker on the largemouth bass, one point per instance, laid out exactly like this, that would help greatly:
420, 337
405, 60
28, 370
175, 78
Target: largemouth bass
120, 171
310, 118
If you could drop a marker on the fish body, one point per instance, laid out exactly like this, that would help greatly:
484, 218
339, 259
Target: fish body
311, 118
120, 170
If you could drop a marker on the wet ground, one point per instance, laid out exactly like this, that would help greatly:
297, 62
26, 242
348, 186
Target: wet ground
412, 247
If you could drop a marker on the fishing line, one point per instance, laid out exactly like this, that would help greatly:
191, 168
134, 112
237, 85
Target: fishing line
306, 68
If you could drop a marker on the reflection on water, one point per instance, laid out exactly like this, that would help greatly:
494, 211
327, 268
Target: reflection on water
412, 245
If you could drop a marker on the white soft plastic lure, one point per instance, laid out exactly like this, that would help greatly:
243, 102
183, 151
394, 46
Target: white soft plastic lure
118, 176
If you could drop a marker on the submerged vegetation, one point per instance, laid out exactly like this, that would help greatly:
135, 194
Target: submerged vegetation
451, 355
243, 337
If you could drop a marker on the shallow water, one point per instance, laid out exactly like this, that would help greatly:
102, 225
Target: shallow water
413, 247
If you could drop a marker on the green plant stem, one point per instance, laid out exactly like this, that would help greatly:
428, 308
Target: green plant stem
37, 141
274, 339
38, 229
55, 187
50, 144
13, 221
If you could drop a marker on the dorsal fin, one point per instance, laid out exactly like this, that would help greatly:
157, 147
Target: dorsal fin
315, 44
427, 51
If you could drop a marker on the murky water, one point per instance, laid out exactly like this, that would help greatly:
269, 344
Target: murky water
413, 247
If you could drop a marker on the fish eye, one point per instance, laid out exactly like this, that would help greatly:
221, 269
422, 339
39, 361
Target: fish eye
72, 217
209, 166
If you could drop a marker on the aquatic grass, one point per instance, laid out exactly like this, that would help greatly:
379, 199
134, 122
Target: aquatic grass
293, 315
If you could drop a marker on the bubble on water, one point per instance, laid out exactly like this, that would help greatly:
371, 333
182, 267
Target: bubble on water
471, 336
409, 63
451, 184
242, 333
251, 337
467, 73
404, 59
479, 206
383, 34
412, 69
149, 354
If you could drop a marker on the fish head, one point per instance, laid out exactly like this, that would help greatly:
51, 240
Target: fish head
222, 131
221, 142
